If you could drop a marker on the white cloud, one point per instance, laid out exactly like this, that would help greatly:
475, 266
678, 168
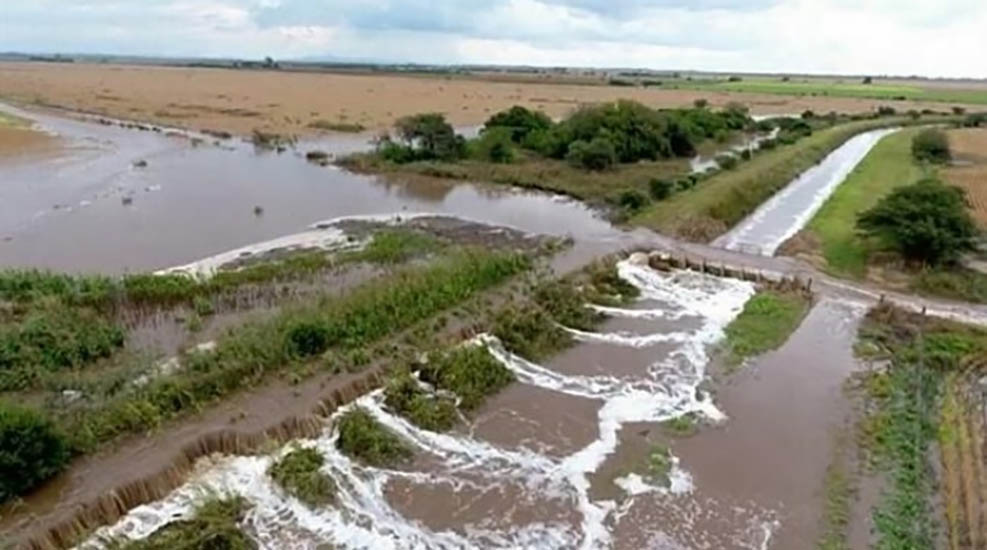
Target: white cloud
943, 38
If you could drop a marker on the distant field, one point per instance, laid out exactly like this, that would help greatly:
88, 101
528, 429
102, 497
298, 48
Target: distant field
969, 147
884, 91
299, 103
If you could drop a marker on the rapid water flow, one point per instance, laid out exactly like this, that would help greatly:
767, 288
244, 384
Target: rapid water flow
790, 209
556, 487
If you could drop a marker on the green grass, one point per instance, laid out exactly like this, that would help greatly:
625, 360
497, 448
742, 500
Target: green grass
817, 87
888, 166
394, 246
215, 525
298, 473
766, 322
956, 284
716, 204
364, 439
11, 121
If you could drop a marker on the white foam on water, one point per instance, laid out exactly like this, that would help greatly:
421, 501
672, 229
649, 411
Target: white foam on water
362, 516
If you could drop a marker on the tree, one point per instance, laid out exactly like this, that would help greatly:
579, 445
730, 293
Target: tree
431, 136
701, 103
520, 121
927, 222
931, 145
661, 189
868, 80
31, 450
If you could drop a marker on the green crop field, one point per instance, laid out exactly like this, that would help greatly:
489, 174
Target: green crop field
820, 87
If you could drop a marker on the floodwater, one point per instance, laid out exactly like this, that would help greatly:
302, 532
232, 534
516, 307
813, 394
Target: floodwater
522, 474
554, 461
93, 209
789, 210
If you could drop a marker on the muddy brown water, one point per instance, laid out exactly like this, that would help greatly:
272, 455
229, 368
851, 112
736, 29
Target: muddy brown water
190, 202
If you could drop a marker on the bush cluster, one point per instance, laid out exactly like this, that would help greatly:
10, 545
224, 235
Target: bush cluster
31, 450
931, 145
299, 473
406, 397
470, 372
364, 439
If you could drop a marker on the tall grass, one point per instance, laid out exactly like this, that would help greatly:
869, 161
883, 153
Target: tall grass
214, 525
364, 439
766, 322
298, 473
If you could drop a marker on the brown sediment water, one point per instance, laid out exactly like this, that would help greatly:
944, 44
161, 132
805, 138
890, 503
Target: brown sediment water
99, 208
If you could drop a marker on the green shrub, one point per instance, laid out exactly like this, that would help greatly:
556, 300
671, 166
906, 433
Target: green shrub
31, 450
470, 372
530, 332
931, 146
632, 201
430, 137
726, 161
926, 221
299, 473
364, 439
661, 189
519, 122
493, 145
566, 304
406, 397
308, 338
598, 154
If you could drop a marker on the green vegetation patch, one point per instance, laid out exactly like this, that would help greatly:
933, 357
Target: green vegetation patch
887, 167
470, 372
405, 396
394, 246
299, 473
530, 332
955, 284
51, 338
214, 526
904, 418
364, 439
658, 467
31, 450
832, 88
766, 322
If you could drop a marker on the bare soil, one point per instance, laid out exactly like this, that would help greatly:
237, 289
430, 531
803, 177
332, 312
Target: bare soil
240, 101
969, 147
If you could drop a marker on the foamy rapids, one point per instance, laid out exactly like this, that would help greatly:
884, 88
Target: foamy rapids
363, 517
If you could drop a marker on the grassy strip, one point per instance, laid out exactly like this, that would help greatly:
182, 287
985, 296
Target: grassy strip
533, 172
957, 284
722, 201
364, 439
950, 438
766, 322
888, 166
839, 492
393, 246
298, 473
247, 354
214, 526
905, 421
890, 92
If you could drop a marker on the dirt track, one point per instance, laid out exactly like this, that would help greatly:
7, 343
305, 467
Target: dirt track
242, 100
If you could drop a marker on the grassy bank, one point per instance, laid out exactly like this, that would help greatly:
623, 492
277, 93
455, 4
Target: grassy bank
215, 524
766, 322
913, 404
716, 204
532, 172
888, 166
298, 473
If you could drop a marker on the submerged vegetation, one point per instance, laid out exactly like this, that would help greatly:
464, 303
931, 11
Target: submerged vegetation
363, 438
214, 525
299, 473
766, 322
469, 372
404, 395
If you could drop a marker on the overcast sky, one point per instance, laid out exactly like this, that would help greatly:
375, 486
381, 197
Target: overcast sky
927, 37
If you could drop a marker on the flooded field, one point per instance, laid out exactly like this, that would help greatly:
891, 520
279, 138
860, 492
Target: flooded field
577, 453
118, 199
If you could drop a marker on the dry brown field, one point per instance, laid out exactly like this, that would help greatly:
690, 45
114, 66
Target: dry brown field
969, 146
240, 101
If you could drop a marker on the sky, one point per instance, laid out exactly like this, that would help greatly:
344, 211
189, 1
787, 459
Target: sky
942, 38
